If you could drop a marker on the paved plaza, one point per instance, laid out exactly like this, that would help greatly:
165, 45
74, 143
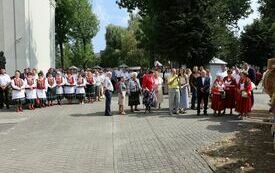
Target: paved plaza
79, 139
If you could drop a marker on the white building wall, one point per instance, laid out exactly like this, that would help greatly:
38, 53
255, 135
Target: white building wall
9, 38
33, 34
1, 25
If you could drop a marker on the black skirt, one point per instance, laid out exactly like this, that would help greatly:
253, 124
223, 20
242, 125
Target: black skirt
134, 99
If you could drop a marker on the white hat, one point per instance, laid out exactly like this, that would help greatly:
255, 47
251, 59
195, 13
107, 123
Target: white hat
134, 74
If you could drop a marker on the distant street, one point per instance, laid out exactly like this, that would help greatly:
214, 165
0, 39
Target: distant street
79, 139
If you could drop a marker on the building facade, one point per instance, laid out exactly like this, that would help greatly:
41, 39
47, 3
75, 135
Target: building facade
27, 34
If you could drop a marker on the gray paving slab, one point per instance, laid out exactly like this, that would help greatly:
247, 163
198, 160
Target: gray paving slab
79, 139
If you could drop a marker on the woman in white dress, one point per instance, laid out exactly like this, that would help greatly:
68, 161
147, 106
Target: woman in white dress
80, 88
158, 88
184, 83
41, 90
30, 87
60, 82
18, 91
69, 88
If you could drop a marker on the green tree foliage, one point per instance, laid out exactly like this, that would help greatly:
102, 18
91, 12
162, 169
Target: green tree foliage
258, 39
63, 18
122, 46
256, 43
188, 31
78, 25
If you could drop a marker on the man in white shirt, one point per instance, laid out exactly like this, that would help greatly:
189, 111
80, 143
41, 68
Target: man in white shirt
108, 88
5, 82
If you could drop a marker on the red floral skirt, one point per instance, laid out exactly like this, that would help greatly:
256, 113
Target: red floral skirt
217, 102
230, 100
244, 105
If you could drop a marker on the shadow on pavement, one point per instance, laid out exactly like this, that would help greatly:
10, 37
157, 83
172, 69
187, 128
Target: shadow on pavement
251, 150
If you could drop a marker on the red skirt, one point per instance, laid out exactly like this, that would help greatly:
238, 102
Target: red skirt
230, 100
217, 102
244, 105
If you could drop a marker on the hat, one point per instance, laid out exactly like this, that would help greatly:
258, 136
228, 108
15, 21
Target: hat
134, 74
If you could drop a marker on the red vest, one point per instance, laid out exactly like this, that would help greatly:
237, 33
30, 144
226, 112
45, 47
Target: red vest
41, 83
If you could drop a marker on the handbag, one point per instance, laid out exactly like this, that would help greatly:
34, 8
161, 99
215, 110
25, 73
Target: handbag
223, 94
244, 94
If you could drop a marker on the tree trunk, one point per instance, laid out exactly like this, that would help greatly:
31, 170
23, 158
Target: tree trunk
61, 55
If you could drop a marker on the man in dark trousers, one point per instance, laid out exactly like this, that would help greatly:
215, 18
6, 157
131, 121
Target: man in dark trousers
108, 88
203, 89
5, 82
252, 76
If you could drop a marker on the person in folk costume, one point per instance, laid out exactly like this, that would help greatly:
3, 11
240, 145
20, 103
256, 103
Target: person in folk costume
218, 95
158, 88
80, 88
18, 91
90, 87
230, 92
30, 87
69, 88
41, 89
244, 96
51, 90
121, 95
59, 80
184, 84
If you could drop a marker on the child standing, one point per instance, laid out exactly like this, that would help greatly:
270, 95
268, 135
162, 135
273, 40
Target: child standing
51, 90
80, 88
31, 96
59, 87
41, 89
121, 96
70, 87
18, 91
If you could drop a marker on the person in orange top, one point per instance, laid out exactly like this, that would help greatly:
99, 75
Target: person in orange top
244, 96
230, 90
218, 95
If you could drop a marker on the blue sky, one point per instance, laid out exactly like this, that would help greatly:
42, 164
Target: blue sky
108, 12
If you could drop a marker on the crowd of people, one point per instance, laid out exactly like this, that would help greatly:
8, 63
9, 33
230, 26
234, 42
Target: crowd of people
232, 89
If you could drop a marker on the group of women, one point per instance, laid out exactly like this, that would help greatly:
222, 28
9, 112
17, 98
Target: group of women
41, 90
227, 93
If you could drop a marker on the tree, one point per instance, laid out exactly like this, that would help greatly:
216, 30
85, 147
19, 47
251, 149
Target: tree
258, 39
63, 19
186, 30
84, 27
76, 25
256, 43
122, 46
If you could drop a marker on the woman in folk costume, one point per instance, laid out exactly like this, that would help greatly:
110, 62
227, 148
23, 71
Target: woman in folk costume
60, 81
244, 97
184, 84
41, 89
158, 88
134, 90
18, 91
80, 88
30, 86
218, 95
230, 90
51, 90
69, 88
90, 87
